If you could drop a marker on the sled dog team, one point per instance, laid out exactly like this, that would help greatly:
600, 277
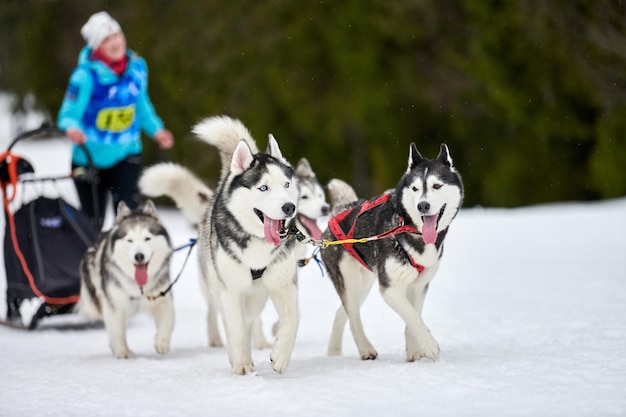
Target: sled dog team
247, 253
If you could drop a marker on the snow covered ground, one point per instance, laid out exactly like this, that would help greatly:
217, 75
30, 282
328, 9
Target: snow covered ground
529, 309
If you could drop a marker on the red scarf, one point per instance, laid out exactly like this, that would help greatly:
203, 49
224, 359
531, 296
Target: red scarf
117, 67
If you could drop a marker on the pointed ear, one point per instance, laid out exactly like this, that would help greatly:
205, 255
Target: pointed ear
444, 155
122, 211
414, 157
303, 169
242, 158
273, 149
149, 208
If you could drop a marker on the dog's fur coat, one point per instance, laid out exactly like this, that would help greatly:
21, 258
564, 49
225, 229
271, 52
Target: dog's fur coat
127, 263
192, 196
242, 257
427, 198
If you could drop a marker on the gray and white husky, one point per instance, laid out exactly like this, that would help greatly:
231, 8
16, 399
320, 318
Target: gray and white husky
129, 263
241, 251
410, 224
312, 205
192, 197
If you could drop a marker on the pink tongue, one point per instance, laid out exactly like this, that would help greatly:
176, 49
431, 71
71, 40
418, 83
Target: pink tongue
141, 274
429, 229
271, 228
311, 225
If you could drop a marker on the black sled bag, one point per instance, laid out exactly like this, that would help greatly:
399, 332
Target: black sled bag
52, 236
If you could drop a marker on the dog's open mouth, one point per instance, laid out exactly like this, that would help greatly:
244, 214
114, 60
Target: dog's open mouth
429, 226
311, 226
273, 229
141, 274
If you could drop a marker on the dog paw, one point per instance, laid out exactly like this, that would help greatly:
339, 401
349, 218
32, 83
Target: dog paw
279, 363
162, 347
243, 369
427, 347
369, 354
122, 353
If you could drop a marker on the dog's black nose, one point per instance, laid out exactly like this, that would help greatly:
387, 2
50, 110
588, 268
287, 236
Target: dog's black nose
139, 258
289, 209
423, 206
325, 211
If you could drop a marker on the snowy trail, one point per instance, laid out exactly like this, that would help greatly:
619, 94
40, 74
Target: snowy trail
528, 308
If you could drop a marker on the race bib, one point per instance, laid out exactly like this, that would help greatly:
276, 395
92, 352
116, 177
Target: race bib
115, 119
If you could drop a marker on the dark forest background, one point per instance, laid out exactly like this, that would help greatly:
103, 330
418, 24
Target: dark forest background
529, 95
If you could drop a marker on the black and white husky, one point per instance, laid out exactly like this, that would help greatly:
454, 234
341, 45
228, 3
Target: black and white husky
242, 254
409, 225
192, 197
123, 271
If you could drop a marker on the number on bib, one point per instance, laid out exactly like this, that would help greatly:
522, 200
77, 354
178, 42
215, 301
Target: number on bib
115, 119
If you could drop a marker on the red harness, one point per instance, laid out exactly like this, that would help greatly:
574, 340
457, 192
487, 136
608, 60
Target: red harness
335, 227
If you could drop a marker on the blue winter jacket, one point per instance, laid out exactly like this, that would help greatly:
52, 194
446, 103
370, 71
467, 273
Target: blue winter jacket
111, 110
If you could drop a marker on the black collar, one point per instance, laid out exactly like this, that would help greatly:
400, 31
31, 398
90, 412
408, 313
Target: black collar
257, 273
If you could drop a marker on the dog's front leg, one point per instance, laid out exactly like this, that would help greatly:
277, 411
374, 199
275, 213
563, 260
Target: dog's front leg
285, 299
115, 323
215, 340
419, 342
163, 314
237, 331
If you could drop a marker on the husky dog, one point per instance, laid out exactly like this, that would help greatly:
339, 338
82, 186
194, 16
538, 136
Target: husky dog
128, 263
192, 196
241, 251
312, 204
409, 224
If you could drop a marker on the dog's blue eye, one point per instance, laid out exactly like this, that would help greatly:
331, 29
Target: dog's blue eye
263, 188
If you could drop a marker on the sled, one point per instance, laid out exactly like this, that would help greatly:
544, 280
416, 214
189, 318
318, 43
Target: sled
45, 239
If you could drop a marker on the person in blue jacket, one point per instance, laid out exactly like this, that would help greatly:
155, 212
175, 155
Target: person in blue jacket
105, 108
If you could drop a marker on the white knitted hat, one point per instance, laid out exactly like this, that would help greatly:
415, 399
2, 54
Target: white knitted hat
98, 27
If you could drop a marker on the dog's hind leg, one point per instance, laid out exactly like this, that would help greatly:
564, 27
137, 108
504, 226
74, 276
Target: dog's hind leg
341, 317
357, 283
163, 313
419, 342
255, 305
212, 300
336, 336
215, 340
258, 337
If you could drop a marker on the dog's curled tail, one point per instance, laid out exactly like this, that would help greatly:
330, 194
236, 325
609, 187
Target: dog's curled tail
341, 194
189, 193
224, 133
